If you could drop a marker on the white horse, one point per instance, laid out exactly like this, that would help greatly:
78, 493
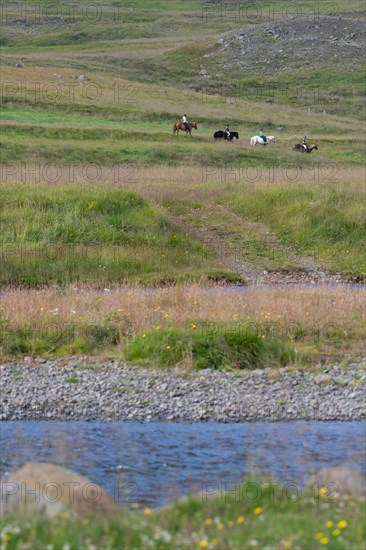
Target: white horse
258, 140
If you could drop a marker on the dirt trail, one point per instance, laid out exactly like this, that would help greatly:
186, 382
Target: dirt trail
250, 249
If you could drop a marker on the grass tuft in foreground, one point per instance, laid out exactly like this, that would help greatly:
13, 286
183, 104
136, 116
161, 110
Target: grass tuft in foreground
214, 347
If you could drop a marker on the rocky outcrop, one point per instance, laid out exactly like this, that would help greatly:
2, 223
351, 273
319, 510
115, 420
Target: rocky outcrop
291, 42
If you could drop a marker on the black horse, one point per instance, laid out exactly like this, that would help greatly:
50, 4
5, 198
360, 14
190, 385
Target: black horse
223, 135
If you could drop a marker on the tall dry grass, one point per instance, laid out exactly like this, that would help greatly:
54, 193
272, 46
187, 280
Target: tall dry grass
150, 180
335, 309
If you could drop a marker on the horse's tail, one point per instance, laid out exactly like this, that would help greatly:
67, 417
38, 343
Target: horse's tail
252, 140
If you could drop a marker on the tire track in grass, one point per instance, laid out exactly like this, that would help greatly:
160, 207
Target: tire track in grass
249, 248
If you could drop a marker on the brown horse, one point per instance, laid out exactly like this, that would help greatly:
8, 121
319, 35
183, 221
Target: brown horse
181, 126
299, 147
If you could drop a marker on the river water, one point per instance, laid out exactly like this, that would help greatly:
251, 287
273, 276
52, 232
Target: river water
155, 463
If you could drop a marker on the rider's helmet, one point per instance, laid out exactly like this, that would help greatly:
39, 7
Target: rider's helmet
261, 129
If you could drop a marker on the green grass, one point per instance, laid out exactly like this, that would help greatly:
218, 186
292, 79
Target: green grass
142, 145
209, 348
92, 234
326, 223
270, 520
55, 339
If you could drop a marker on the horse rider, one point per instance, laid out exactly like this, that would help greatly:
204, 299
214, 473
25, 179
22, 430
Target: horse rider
304, 143
185, 122
227, 131
261, 134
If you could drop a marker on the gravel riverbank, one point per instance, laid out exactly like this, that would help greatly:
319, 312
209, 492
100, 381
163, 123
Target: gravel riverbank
86, 389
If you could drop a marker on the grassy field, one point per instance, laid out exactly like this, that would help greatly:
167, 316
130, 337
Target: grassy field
109, 121
147, 231
270, 521
96, 191
58, 235
110, 133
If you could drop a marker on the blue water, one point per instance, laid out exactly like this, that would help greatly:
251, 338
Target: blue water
154, 463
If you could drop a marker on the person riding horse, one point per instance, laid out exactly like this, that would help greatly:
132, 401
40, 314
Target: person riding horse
227, 131
261, 134
304, 143
185, 122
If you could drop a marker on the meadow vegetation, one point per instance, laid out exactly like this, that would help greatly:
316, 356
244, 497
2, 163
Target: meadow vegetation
270, 521
194, 326
97, 192
65, 234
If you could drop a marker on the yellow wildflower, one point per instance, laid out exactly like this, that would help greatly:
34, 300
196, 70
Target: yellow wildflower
203, 543
147, 511
258, 510
85, 521
336, 532
240, 520
208, 521
324, 540
329, 524
6, 537
168, 347
157, 328
319, 536
323, 491
230, 523
219, 526
342, 524
287, 544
